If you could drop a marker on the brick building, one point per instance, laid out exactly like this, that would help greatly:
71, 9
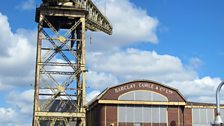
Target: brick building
147, 103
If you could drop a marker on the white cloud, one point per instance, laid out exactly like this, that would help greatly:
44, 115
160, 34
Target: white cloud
199, 89
92, 95
6, 114
9, 117
17, 54
23, 101
132, 64
135, 25
27, 5
100, 80
131, 24
4, 86
195, 62
136, 64
5, 35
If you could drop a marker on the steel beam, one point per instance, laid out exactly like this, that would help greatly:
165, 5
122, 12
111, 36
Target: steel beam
140, 102
38, 67
60, 114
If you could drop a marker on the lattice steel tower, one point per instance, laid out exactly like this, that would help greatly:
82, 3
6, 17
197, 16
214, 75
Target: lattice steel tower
60, 79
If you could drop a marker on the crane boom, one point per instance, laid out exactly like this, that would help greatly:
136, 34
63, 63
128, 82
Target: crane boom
95, 20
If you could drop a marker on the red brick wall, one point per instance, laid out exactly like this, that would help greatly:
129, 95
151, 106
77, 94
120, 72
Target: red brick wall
187, 117
176, 115
97, 117
111, 115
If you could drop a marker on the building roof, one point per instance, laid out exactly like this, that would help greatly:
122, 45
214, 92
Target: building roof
100, 96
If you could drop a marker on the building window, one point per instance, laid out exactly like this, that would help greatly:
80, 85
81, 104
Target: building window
202, 116
142, 95
138, 114
142, 114
222, 113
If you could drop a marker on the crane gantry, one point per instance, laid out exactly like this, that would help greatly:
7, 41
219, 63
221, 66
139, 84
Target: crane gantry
60, 78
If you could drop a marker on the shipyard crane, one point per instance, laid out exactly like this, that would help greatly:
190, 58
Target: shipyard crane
95, 20
60, 77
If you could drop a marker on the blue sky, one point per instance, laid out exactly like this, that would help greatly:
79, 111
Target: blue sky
186, 29
176, 42
190, 29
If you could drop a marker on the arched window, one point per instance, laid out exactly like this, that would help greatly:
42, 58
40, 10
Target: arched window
141, 95
142, 114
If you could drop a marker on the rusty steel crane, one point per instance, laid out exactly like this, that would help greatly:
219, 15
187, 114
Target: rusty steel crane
60, 78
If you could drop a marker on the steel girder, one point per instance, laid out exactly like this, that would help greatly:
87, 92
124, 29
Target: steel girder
60, 101
95, 20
